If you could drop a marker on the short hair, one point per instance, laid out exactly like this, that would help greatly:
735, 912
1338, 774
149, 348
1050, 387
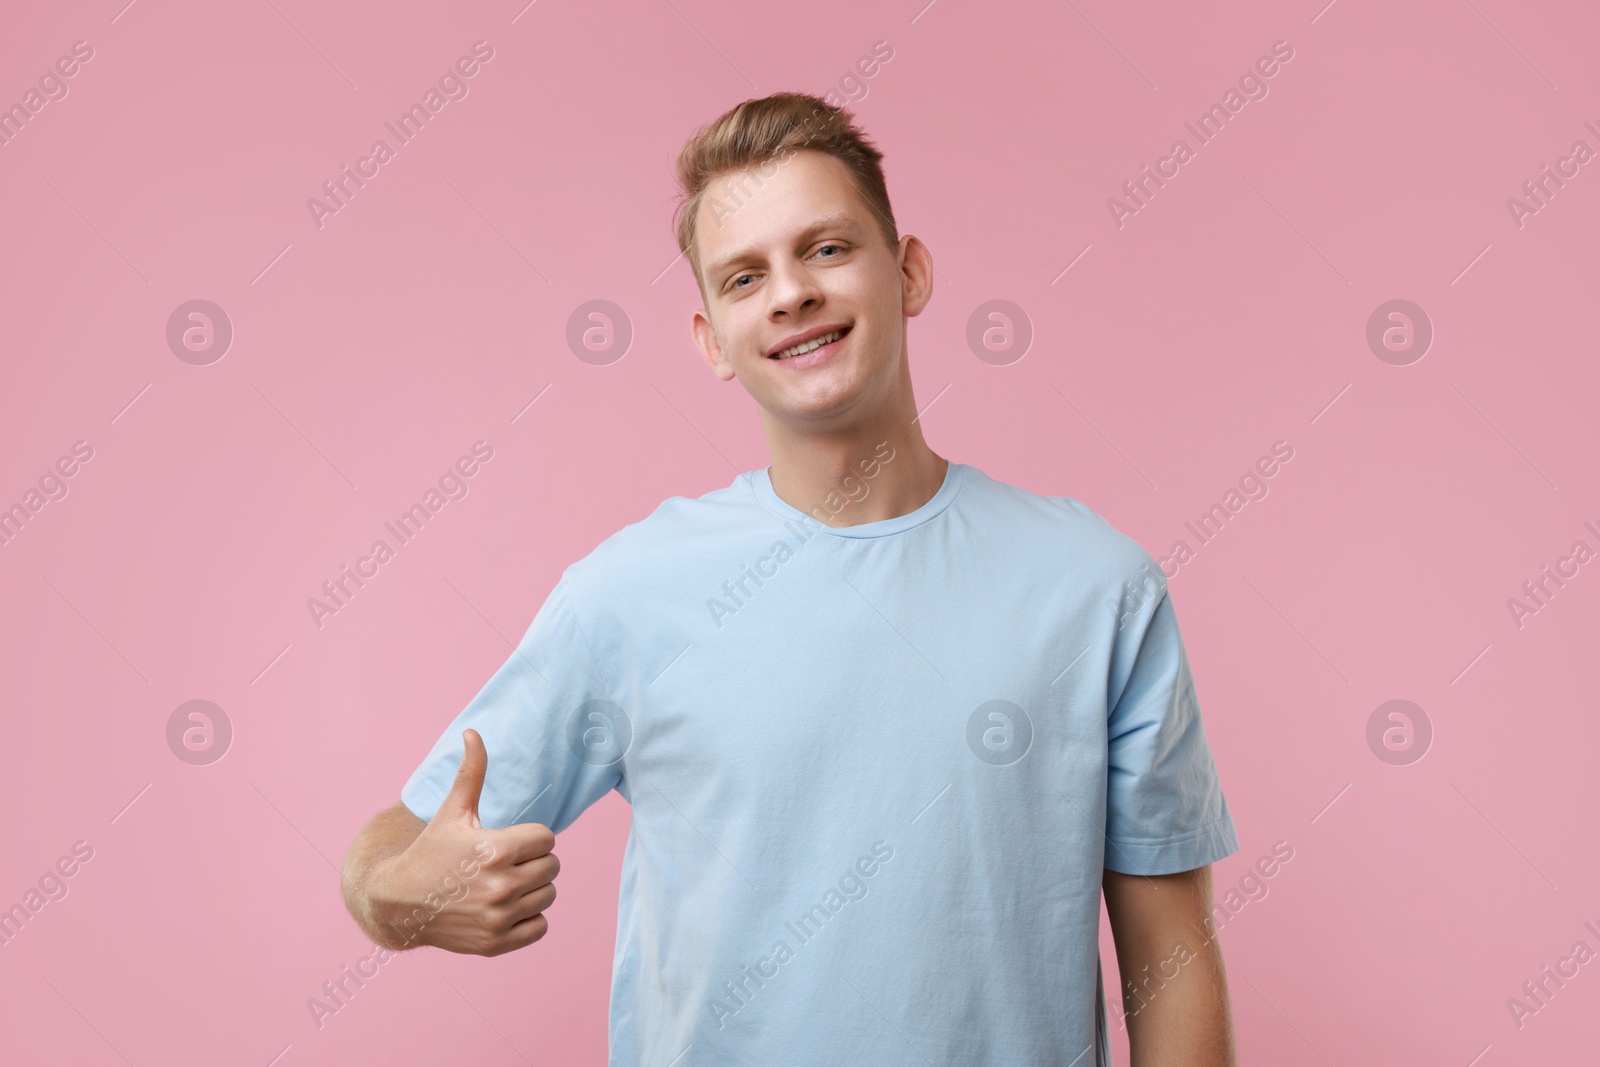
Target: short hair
774, 127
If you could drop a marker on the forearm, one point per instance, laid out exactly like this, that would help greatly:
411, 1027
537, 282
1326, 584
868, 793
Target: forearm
386, 836
1177, 1008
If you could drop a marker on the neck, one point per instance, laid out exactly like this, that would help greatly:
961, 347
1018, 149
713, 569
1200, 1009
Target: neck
878, 471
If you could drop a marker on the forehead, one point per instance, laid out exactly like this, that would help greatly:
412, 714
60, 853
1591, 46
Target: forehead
745, 211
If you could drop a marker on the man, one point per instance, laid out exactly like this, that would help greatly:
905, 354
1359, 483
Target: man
887, 726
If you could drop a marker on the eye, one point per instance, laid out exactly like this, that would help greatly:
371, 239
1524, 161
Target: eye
733, 283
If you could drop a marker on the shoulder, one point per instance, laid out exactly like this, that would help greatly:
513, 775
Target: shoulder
1063, 524
648, 552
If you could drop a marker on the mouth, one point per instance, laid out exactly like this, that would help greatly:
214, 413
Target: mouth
812, 351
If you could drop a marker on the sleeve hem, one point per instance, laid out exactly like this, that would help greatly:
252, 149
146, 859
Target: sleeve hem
1204, 845
421, 799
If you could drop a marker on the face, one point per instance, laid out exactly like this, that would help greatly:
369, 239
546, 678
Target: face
790, 249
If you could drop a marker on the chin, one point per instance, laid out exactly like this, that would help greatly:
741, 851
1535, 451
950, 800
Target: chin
826, 406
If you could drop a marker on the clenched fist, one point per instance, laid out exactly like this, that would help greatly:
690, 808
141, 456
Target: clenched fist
461, 887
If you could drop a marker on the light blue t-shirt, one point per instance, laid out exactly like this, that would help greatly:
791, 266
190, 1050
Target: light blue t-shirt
874, 770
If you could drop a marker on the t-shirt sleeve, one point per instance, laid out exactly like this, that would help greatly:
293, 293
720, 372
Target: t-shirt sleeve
554, 738
1165, 811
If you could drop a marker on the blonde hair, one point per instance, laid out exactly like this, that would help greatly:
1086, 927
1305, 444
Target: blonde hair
758, 131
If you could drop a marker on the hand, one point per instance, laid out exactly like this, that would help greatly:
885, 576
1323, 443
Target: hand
461, 887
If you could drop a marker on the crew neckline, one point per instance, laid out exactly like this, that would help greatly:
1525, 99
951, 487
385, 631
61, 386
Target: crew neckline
954, 477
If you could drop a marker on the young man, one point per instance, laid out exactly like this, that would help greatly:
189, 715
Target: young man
887, 725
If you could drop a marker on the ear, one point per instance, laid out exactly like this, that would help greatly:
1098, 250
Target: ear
705, 338
916, 275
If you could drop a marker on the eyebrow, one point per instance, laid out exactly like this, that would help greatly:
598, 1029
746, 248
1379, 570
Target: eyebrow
836, 220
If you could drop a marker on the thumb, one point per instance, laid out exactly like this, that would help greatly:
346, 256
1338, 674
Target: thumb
462, 800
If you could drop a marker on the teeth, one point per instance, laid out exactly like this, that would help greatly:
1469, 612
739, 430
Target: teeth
827, 338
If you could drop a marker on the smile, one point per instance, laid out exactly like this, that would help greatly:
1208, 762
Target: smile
813, 351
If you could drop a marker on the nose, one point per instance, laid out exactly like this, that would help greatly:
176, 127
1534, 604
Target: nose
792, 290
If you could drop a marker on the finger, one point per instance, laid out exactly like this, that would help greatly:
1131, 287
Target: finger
531, 903
526, 932
467, 789
536, 872
525, 841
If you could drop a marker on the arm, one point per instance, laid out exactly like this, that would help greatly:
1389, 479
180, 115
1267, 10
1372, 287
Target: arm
1175, 987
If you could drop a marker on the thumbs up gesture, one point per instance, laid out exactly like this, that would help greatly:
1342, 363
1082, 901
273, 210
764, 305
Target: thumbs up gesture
461, 887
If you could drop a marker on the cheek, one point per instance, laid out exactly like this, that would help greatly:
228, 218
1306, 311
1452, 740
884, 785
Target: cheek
743, 341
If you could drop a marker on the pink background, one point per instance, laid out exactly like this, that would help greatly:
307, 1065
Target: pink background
368, 354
